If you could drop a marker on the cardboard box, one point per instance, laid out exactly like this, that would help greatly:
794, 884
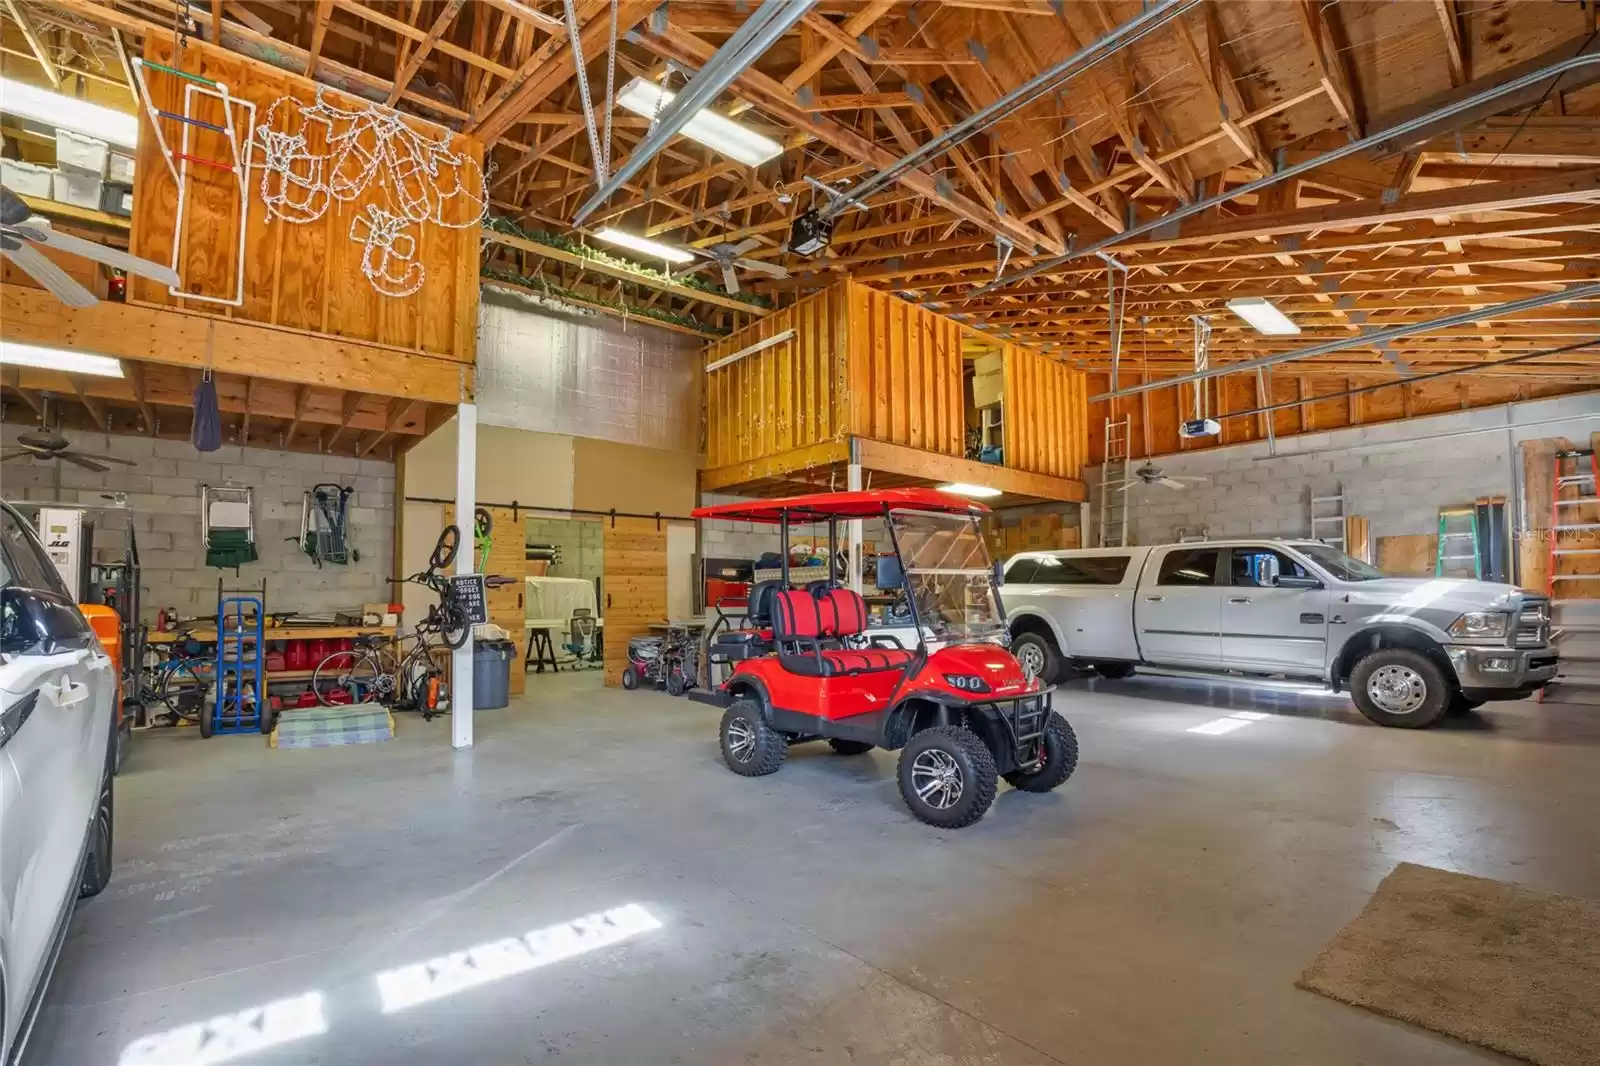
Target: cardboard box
988, 389
1042, 525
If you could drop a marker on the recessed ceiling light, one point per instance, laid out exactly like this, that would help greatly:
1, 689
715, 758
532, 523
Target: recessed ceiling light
67, 113
961, 488
717, 132
1266, 318
644, 245
61, 359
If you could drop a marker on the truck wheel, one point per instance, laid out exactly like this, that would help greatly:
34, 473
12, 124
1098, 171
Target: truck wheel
947, 776
849, 747
1037, 653
1060, 759
751, 747
1400, 687
1114, 671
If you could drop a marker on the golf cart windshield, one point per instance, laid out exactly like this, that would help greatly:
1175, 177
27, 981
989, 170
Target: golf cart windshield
947, 571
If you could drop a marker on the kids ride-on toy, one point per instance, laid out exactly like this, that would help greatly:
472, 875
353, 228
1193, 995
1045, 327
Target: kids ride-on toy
960, 710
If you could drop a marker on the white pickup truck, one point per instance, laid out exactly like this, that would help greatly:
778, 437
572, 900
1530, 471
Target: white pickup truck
1409, 650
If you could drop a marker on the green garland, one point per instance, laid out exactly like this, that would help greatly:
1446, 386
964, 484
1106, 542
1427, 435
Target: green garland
501, 224
538, 284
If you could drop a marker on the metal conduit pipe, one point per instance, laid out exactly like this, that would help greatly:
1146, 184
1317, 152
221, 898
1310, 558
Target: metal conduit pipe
769, 22
1401, 129
1372, 337
1047, 81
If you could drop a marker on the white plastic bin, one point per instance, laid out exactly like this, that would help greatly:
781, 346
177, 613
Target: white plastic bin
27, 179
74, 151
119, 168
79, 190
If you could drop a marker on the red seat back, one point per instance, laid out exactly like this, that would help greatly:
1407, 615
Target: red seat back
797, 614
844, 612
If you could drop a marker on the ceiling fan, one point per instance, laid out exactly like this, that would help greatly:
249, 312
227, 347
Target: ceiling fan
21, 231
1151, 474
48, 444
727, 256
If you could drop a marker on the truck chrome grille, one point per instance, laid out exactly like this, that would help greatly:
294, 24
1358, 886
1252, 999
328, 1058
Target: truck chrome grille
1533, 623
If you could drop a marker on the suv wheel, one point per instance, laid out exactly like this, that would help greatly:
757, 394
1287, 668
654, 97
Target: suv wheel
1401, 688
97, 863
947, 776
751, 747
1037, 653
1060, 759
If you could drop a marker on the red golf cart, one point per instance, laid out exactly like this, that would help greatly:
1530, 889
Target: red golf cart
960, 710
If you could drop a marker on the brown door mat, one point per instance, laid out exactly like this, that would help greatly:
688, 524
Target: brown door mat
1484, 961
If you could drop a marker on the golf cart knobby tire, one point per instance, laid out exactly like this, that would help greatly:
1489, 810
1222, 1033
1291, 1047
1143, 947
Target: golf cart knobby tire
1050, 673
1114, 671
849, 747
1435, 703
980, 780
771, 746
1060, 759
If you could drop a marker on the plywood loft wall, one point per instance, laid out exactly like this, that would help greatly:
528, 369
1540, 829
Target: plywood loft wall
304, 277
868, 364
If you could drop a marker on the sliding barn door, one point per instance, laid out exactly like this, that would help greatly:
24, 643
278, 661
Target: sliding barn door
634, 586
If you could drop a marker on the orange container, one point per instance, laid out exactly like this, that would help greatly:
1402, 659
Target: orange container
107, 625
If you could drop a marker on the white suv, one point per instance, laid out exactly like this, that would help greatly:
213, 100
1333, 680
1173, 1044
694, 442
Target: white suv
57, 738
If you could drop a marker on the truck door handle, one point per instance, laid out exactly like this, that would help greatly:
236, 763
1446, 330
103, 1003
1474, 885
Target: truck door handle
1238, 599
1154, 599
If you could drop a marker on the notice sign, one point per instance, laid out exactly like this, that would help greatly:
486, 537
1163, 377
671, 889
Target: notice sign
468, 592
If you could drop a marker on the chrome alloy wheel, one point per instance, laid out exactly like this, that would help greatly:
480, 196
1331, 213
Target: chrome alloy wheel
1397, 689
741, 740
936, 777
1031, 658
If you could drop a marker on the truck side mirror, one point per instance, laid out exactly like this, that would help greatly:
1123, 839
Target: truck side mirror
1267, 570
1294, 581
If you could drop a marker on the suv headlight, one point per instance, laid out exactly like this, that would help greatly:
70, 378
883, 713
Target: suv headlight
1480, 625
967, 682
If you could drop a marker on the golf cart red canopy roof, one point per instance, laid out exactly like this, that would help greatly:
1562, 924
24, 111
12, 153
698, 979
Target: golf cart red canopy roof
824, 505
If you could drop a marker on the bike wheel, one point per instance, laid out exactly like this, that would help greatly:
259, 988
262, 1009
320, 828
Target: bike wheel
183, 691
453, 626
337, 678
444, 551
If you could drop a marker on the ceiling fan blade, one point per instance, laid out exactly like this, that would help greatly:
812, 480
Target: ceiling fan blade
772, 269
1171, 483
730, 280
100, 253
61, 284
749, 244
14, 453
1128, 486
105, 458
77, 460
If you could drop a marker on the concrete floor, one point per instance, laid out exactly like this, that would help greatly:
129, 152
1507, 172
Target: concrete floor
1155, 910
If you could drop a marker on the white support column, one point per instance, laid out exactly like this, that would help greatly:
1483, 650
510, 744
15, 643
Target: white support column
466, 506
853, 483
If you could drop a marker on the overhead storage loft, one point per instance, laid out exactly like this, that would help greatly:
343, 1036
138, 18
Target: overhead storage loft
856, 377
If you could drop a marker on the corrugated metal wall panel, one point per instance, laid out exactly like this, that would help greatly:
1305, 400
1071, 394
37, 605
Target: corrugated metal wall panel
585, 376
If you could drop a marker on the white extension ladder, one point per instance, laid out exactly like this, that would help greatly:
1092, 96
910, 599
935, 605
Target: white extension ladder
1114, 475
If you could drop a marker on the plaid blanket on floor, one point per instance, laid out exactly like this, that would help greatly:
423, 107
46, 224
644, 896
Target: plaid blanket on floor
327, 727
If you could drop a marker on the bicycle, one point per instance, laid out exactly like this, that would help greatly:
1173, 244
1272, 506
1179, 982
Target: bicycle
180, 677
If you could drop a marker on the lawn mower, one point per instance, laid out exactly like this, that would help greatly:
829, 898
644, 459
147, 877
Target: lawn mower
960, 710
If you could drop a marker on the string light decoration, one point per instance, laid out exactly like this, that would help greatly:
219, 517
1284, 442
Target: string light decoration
320, 154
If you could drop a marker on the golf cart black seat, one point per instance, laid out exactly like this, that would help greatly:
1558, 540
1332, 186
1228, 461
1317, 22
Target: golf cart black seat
755, 638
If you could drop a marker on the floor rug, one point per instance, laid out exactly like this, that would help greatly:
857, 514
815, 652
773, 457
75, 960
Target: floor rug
1484, 961
327, 727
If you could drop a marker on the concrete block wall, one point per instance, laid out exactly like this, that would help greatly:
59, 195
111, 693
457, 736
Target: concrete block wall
1398, 475
163, 491
581, 543
750, 540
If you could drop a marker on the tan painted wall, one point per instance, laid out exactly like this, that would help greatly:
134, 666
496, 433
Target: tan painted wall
630, 478
533, 469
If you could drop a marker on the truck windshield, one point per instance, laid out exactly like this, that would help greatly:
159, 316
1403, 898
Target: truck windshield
1339, 564
947, 569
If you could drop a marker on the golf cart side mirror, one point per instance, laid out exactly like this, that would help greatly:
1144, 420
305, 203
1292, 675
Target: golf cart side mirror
1267, 570
1294, 581
999, 573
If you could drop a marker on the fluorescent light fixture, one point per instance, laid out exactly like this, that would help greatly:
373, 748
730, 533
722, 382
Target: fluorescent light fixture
644, 245
421, 982
716, 132
228, 1036
67, 113
961, 488
1260, 313
68, 362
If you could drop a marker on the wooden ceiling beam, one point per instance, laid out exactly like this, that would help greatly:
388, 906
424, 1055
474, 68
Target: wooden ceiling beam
417, 34
832, 46
419, 54
36, 44
134, 371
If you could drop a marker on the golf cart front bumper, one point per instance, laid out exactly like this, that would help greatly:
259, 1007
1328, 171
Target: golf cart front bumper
1019, 720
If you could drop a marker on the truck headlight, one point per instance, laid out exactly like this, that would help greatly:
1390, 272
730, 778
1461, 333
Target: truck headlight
1480, 625
967, 682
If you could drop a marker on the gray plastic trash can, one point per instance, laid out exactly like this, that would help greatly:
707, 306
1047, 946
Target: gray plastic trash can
491, 674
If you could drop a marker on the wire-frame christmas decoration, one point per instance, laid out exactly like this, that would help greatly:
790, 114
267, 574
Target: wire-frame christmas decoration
320, 154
